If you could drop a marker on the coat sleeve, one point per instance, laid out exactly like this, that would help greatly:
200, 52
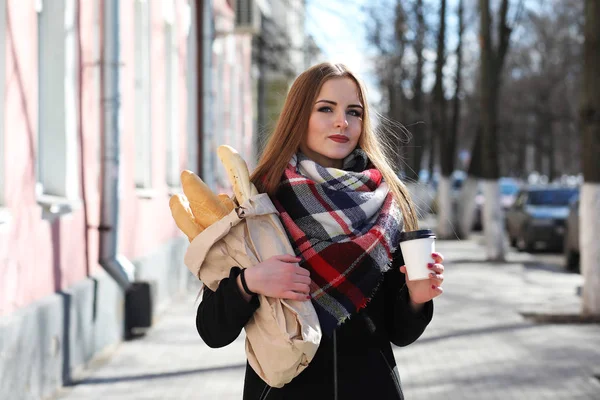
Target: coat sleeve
223, 313
403, 324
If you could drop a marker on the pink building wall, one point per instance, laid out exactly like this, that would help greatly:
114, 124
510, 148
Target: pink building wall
39, 257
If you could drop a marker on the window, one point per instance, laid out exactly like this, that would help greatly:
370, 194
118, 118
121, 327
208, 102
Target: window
143, 130
172, 93
57, 146
3, 168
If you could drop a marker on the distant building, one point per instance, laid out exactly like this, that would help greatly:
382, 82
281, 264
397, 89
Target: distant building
279, 57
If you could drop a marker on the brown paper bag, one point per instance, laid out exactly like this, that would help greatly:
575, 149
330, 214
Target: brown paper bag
282, 336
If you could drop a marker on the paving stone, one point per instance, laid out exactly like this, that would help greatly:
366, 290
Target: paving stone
478, 345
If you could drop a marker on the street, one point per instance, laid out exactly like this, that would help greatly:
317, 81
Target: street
478, 346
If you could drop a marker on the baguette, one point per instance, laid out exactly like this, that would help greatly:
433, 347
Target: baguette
238, 174
227, 202
183, 217
205, 205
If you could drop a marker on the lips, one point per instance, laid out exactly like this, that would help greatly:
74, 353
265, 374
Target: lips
339, 138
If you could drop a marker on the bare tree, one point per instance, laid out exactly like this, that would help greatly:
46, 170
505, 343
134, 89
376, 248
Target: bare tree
439, 121
492, 60
396, 30
387, 36
539, 102
417, 144
590, 193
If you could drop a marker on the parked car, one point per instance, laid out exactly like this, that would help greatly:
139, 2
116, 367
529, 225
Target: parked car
509, 187
538, 217
571, 244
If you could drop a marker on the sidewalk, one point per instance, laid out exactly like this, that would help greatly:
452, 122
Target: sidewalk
478, 345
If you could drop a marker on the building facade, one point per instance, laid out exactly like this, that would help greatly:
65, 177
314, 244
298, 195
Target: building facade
105, 103
64, 97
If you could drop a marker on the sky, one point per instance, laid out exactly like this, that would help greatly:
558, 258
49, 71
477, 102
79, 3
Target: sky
338, 28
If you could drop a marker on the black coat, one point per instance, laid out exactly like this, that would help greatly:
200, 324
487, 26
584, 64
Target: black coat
365, 365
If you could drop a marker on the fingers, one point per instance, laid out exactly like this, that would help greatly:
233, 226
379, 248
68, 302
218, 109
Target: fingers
436, 279
437, 257
437, 268
305, 279
436, 274
295, 296
287, 258
301, 271
301, 288
436, 291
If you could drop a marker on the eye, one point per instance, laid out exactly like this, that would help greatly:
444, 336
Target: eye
355, 113
325, 109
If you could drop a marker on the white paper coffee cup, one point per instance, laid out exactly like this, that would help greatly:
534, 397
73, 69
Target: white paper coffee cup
417, 247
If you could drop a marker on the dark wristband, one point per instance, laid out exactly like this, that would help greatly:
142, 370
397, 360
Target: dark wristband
244, 284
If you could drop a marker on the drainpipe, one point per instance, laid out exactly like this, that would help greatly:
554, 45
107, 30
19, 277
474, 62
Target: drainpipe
205, 34
117, 266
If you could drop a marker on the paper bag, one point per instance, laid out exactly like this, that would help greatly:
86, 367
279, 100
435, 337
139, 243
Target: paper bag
282, 336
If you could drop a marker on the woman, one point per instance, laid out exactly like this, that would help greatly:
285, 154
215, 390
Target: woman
343, 208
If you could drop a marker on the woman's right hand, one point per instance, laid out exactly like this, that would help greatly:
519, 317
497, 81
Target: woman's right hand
279, 277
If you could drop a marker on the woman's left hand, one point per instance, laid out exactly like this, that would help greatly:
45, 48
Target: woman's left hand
424, 290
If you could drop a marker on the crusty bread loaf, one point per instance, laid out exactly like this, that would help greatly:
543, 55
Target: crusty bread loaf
205, 205
227, 202
182, 214
237, 171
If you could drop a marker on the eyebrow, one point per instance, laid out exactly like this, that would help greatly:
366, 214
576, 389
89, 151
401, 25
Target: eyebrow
335, 104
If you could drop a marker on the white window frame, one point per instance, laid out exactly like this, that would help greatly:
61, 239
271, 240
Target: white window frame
57, 150
171, 94
4, 215
143, 98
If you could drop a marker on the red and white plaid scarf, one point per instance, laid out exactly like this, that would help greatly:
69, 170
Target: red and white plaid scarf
345, 225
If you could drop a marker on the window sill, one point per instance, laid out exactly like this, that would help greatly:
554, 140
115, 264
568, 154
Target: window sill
56, 206
145, 193
5, 216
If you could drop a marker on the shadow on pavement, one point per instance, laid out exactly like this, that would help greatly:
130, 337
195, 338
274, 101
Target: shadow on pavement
545, 267
478, 331
162, 375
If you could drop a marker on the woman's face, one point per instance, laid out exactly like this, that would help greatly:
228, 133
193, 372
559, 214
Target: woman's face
335, 123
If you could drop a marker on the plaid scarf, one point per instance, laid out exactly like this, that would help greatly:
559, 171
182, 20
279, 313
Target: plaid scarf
345, 225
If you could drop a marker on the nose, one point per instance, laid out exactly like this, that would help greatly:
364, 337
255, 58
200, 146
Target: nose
341, 121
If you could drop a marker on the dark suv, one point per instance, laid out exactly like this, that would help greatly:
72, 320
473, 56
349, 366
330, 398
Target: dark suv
538, 217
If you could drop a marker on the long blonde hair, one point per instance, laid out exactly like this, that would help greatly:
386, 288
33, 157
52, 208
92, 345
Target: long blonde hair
292, 126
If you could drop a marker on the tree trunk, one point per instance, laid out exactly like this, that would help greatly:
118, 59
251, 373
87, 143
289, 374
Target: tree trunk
539, 144
491, 67
551, 152
522, 160
590, 194
453, 132
445, 215
467, 206
466, 199
419, 131
431, 148
395, 114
